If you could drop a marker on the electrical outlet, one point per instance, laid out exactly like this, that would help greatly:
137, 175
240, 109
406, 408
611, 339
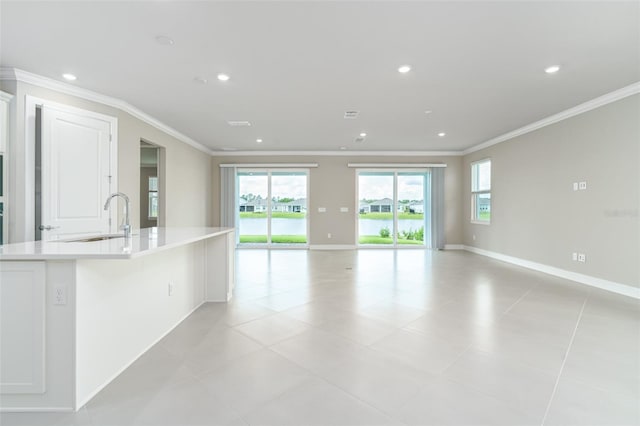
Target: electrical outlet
582, 257
329, 235
60, 295
574, 256
171, 288
582, 185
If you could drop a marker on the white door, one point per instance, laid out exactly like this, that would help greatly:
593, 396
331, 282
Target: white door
77, 170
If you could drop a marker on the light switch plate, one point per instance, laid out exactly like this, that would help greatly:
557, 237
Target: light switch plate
322, 209
344, 209
575, 186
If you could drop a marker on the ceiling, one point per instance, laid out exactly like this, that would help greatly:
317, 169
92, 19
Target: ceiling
296, 67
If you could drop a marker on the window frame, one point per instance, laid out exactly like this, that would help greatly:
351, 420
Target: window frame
475, 192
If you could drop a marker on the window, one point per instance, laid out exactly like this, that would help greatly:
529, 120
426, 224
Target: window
272, 206
391, 206
481, 191
153, 197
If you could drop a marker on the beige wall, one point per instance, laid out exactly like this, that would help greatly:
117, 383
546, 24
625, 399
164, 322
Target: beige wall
187, 174
333, 185
537, 216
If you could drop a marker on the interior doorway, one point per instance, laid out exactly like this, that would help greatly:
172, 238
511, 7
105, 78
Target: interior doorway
150, 188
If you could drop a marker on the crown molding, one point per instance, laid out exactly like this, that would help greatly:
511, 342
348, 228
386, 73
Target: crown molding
614, 96
68, 89
336, 153
47, 83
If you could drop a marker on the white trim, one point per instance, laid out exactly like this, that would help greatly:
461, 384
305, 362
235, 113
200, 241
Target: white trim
97, 390
37, 410
608, 98
338, 153
5, 97
269, 165
454, 246
48, 83
397, 165
332, 247
30, 78
600, 283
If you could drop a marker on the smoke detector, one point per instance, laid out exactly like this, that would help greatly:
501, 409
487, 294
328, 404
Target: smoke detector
349, 115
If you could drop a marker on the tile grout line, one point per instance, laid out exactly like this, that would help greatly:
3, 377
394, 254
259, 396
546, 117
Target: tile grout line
518, 301
564, 361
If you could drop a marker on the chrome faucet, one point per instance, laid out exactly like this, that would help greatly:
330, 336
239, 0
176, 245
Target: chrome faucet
127, 226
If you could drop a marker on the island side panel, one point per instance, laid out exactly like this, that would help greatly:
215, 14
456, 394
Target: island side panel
125, 306
220, 267
57, 317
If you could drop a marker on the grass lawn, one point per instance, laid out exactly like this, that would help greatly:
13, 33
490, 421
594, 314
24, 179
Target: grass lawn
485, 216
389, 216
279, 239
375, 239
278, 215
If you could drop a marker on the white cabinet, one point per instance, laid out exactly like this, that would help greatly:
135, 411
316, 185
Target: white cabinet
22, 334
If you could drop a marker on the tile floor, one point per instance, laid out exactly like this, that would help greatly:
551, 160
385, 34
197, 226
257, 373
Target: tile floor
377, 337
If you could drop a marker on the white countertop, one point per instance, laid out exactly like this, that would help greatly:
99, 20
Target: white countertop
143, 242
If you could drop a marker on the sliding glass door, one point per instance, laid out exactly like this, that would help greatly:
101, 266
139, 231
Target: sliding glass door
393, 207
272, 207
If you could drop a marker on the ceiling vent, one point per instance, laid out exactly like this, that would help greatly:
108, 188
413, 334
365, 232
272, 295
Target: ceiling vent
351, 114
238, 123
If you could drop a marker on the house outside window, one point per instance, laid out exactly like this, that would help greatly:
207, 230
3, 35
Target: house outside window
481, 192
153, 197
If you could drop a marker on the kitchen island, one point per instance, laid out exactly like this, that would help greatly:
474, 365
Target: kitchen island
74, 315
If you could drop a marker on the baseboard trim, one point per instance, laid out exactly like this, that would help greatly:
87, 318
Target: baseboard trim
94, 393
614, 287
332, 247
454, 246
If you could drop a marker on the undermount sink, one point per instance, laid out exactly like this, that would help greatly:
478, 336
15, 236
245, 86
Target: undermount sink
92, 239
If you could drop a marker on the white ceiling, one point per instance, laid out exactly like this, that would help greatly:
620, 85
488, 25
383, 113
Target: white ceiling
297, 66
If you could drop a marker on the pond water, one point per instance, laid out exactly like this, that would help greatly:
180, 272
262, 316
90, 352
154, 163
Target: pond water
282, 226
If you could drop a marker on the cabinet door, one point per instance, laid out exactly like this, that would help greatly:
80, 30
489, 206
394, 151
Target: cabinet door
22, 335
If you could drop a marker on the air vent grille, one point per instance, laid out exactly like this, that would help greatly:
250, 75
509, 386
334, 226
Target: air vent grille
238, 123
359, 139
350, 115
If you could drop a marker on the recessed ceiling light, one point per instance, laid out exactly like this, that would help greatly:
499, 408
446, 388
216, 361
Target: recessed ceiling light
441, 134
69, 77
223, 77
201, 80
428, 111
404, 69
259, 140
552, 69
363, 135
164, 40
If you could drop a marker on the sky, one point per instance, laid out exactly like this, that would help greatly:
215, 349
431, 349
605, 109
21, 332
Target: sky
281, 186
378, 187
370, 187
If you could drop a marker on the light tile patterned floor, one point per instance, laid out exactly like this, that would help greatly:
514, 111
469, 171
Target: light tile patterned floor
377, 337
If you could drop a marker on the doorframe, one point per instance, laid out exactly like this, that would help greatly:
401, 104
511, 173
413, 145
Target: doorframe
24, 165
